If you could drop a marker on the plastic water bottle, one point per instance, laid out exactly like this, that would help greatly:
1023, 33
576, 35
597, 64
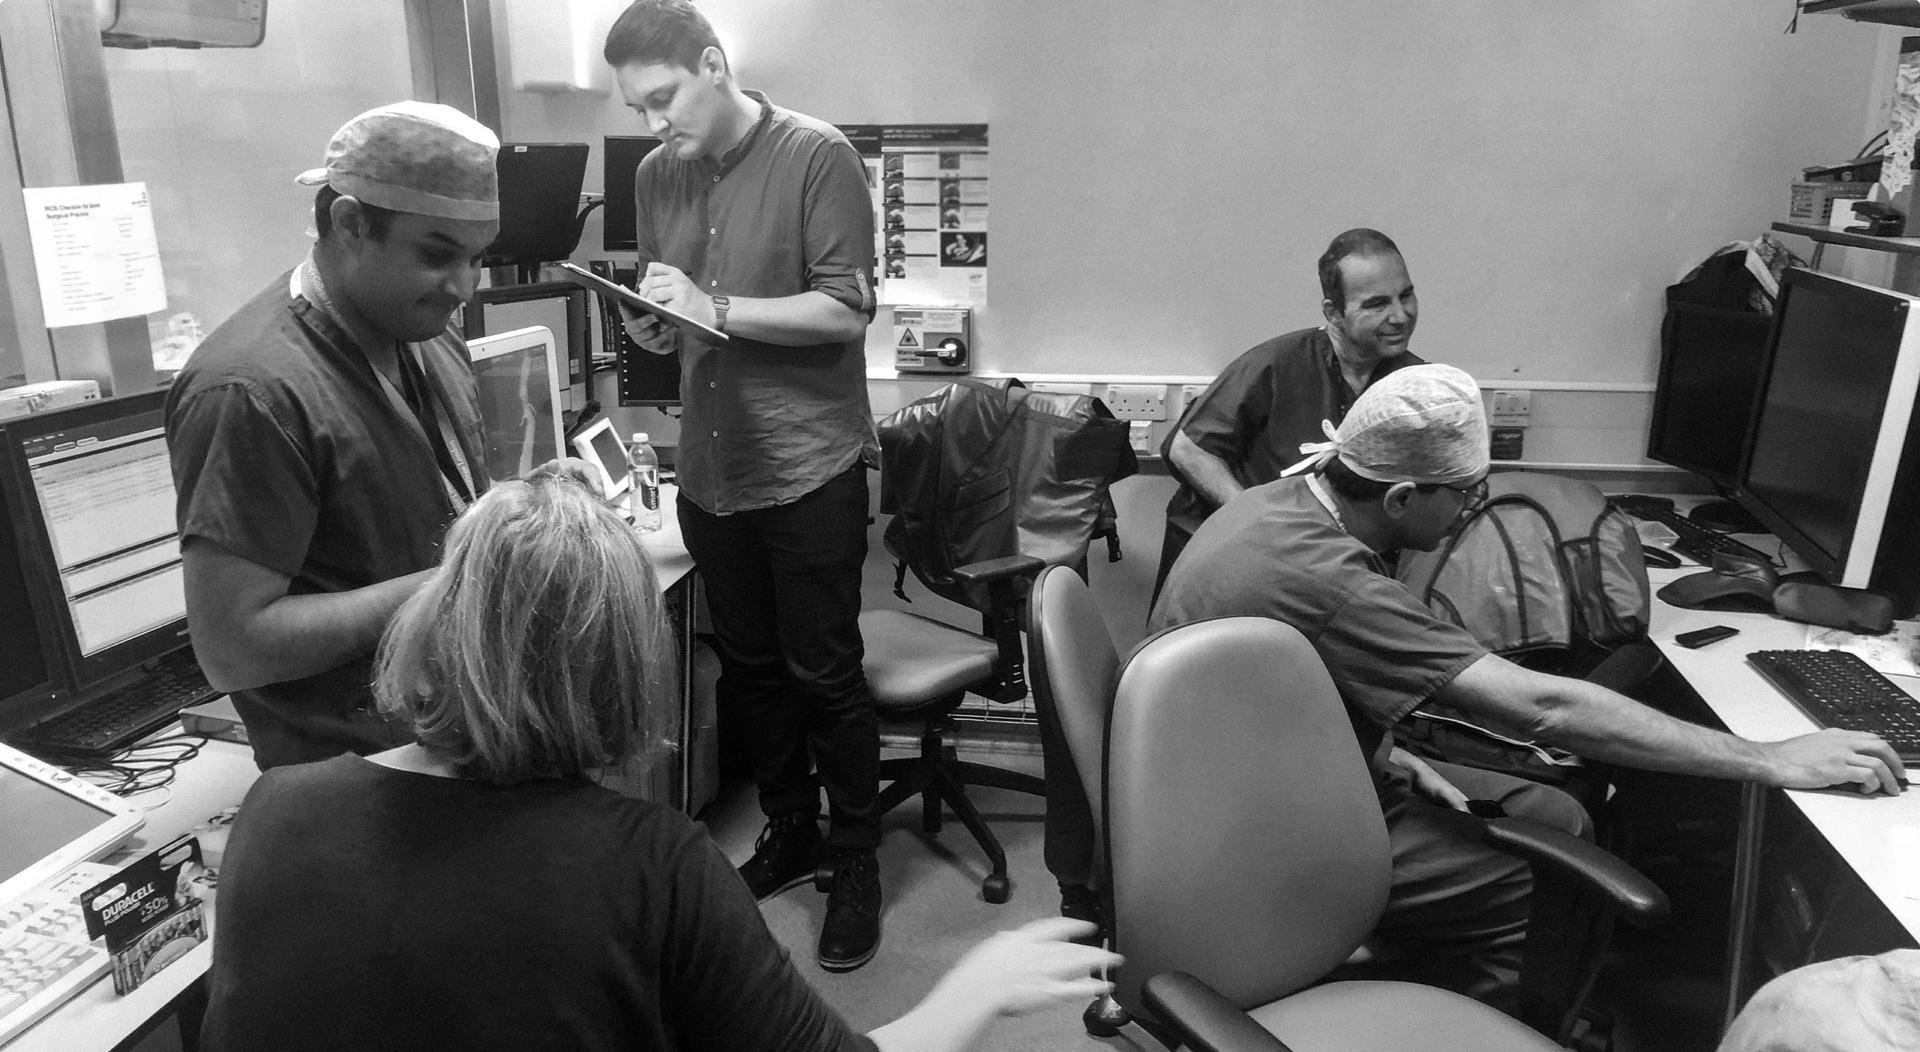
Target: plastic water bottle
643, 483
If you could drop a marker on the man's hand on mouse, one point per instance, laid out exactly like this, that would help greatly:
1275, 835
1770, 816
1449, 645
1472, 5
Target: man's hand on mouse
1836, 758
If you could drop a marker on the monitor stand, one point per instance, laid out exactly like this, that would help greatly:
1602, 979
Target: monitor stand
1725, 516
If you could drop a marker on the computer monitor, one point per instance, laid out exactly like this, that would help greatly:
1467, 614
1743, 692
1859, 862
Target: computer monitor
564, 308
1832, 466
521, 414
54, 821
1711, 360
620, 158
89, 495
540, 186
27, 686
644, 378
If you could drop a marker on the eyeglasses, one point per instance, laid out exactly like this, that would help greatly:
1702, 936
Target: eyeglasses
1471, 497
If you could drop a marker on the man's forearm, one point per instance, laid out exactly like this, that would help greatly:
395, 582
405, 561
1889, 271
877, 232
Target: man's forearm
804, 320
1210, 475
299, 635
1592, 721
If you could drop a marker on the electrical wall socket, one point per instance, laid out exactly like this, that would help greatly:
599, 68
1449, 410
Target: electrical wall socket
1511, 408
1190, 393
1140, 436
1137, 401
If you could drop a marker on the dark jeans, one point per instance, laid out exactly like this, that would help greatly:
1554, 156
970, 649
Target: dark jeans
783, 591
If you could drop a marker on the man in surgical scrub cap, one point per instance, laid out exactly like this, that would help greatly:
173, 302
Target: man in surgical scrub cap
1409, 459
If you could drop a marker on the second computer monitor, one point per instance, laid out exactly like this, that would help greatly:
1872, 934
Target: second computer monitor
1833, 463
89, 493
540, 185
621, 155
521, 414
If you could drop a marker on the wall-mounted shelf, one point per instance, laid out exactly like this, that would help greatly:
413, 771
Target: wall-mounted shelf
1826, 236
1886, 12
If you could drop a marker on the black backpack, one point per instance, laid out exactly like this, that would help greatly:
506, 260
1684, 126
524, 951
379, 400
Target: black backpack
984, 468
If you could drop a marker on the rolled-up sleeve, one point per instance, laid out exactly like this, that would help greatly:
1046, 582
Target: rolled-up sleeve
838, 228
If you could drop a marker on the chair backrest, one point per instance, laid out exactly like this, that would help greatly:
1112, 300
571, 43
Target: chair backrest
1073, 667
1245, 840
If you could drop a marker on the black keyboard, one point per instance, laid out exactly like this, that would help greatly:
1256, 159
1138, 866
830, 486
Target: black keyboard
1838, 689
109, 723
1695, 541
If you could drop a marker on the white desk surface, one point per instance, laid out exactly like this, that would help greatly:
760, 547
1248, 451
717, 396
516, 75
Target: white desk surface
97, 1017
217, 779
1879, 837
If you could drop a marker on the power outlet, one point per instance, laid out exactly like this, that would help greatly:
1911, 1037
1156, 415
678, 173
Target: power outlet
1140, 437
1190, 393
1137, 401
1511, 408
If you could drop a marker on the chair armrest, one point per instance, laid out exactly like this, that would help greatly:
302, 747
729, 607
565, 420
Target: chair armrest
1625, 892
1205, 1021
987, 571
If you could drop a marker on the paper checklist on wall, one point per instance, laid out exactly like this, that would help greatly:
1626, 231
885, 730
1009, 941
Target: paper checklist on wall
95, 252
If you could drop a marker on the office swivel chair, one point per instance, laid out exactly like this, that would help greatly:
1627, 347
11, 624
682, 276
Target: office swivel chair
1245, 845
920, 670
1005, 481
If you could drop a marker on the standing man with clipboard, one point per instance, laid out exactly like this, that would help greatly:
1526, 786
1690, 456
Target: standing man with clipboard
757, 221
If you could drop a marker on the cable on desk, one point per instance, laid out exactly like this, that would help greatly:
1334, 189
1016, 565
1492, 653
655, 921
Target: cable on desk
140, 768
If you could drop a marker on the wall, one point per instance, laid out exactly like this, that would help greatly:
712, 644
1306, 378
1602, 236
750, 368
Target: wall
1165, 173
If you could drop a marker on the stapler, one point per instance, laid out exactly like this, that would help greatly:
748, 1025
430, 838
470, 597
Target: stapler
1874, 218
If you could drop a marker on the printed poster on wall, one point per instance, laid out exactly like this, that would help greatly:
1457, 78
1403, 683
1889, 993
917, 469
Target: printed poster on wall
95, 251
929, 184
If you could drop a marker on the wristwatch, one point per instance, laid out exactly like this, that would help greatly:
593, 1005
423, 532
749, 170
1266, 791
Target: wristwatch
720, 305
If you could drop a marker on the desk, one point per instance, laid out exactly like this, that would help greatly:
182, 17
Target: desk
219, 777
1878, 837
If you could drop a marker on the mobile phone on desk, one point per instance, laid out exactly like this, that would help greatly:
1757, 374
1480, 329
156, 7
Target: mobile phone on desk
1700, 637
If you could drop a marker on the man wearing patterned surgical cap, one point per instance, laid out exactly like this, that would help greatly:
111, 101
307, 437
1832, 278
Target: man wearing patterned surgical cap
325, 436
1407, 461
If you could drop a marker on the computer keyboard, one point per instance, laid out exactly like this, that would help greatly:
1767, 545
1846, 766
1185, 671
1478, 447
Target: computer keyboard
45, 955
118, 718
1836, 688
1694, 541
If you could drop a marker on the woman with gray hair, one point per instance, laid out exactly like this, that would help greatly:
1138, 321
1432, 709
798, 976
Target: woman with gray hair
476, 889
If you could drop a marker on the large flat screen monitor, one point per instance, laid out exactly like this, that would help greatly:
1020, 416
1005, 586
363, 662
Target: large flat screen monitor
1831, 465
89, 490
644, 378
521, 415
540, 186
621, 156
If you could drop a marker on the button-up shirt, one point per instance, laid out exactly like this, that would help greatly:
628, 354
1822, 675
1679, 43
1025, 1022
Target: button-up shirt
784, 212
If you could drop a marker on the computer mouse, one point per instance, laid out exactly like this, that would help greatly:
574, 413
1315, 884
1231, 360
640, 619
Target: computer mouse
1717, 591
1659, 557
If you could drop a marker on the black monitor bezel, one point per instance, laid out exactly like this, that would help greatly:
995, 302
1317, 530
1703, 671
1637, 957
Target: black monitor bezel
579, 334
40, 695
641, 376
1661, 447
76, 673
540, 184
617, 214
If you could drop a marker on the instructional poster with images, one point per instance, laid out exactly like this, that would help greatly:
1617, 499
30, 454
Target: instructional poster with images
929, 184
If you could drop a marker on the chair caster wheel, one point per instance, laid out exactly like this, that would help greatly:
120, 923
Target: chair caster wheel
996, 889
823, 877
1104, 1018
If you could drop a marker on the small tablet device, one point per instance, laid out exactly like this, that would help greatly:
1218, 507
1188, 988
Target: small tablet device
600, 446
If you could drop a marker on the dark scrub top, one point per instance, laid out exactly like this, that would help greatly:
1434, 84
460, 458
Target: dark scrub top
786, 211
367, 908
1275, 551
288, 453
1256, 414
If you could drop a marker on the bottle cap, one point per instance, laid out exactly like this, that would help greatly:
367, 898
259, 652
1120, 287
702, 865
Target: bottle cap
639, 436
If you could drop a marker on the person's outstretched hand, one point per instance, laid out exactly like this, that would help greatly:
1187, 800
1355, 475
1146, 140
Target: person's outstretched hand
1837, 757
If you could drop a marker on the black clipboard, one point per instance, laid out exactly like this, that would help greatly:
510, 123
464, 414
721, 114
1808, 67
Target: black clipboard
620, 293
